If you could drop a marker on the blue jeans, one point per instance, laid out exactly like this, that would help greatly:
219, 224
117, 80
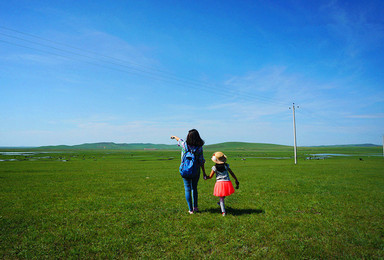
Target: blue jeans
190, 186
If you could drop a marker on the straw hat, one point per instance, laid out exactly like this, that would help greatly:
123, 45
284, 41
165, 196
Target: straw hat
219, 158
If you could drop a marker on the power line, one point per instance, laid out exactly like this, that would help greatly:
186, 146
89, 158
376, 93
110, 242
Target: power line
120, 65
156, 77
153, 73
117, 66
194, 81
103, 66
83, 50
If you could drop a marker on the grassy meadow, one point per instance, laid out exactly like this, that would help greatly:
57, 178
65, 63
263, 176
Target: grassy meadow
131, 204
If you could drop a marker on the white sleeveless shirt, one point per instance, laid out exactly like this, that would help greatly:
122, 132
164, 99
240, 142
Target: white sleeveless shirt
222, 176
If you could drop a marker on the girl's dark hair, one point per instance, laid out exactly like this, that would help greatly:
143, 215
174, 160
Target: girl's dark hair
194, 139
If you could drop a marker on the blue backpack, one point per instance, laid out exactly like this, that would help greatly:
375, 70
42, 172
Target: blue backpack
189, 166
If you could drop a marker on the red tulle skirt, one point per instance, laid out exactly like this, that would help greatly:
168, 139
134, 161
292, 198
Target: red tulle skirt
223, 188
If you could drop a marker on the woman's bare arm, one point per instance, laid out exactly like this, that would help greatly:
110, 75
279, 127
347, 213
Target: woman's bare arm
175, 137
204, 174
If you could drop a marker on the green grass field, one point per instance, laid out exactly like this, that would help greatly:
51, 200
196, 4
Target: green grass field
130, 204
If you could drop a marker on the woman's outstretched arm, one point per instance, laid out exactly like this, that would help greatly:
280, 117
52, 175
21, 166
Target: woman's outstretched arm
175, 137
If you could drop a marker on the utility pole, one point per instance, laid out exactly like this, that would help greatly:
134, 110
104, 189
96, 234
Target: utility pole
294, 133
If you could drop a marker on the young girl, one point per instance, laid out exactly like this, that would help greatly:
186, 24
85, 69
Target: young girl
223, 186
193, 141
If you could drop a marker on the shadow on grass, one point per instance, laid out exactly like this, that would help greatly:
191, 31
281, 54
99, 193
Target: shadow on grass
235, 211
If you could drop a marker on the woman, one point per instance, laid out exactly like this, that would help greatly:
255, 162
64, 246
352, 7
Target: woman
193, 142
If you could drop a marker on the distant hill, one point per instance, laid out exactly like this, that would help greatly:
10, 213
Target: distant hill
149, 146
112, 146
351, 145
233, 146
245, 146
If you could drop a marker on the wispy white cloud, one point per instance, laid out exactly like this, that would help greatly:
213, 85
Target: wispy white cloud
276, 86
355, 32
33, 59
82, 44
370, 116
116, 51
247, 111
323, 105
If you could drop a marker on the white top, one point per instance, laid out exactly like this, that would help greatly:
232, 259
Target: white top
222, 175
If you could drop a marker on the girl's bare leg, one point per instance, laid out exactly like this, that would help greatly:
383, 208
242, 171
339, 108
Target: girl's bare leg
222, 205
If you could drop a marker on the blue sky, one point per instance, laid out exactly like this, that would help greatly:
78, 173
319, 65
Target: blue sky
76, 72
